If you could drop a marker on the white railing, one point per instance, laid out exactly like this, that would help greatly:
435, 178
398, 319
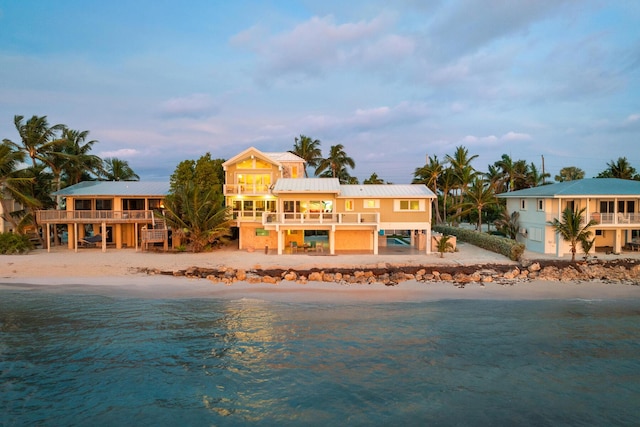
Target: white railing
250, 189
45, 216
616, 218
366, 218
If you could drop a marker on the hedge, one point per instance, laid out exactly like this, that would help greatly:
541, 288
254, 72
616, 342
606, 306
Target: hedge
13, 243
500, 245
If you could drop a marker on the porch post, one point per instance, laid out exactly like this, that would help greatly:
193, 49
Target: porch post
332, 241
428, 243
75, 236
375, 241
48, 239
280, 240
104, 236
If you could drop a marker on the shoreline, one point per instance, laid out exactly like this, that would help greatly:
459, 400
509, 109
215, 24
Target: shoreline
119, 273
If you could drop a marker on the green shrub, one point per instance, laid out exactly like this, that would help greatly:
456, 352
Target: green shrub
500, 245
12, 243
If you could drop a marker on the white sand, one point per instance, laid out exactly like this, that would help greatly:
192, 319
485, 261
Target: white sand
117, 272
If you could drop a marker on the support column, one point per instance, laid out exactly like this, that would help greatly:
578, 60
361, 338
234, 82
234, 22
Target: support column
375, 242
135, 234
103, 227
48, 239
75, 237
617, 241
332, 241
428, 245
280, 240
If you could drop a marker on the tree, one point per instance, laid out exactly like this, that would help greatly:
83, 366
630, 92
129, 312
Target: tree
309, 150
509, 224
79, 164
429, 175
205, 173
13, 183
570, 228
569, 173
478, 196
621, 169
115, 169
463, 172
508, 172
444, 244
534, 178
586, 245
36, 136
197, 216
373, 179
336, 162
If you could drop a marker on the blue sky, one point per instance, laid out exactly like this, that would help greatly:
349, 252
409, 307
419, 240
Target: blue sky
158, 82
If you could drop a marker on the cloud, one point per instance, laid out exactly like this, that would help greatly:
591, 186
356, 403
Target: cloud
319, 44
194, 106
122, 153
515, 136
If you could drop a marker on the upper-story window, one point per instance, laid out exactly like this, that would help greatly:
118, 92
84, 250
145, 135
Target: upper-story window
253, 163
349, 205
541, 204
523, 204
408, 205
104, 204
82, 204
133, 204
371, 203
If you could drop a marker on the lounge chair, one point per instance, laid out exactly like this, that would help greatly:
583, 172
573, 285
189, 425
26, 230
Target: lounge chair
622, 219
91, 240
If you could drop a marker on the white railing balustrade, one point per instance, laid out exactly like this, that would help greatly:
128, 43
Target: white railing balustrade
320, 218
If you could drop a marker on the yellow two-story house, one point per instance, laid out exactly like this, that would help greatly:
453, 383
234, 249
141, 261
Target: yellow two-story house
275, 207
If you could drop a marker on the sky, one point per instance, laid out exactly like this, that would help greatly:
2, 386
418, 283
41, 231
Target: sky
156, 82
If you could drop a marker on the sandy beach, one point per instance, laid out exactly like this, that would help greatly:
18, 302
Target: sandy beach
119, 272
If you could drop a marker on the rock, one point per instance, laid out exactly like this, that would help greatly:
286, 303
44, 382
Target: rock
291, 276
487, 279
446, 277
269, 279
316, 276
241, 275
534, 267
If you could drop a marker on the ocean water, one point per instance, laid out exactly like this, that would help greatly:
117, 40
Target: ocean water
89, 360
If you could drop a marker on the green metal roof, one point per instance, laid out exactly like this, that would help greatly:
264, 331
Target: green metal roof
589, 187
116, 188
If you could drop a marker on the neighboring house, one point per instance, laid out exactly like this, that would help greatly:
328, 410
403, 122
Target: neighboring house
7, 205
274, 206
613, 203
124, 211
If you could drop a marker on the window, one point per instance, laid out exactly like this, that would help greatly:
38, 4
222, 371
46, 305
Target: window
571, 205
291, 206
408, 205
82, 204
523, 205
262, 232
104, 205
348, 205
535, 234
541, 204
156, 204
370, 203
133, 204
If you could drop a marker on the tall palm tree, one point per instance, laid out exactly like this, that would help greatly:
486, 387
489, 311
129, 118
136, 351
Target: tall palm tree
36, 137
534, 178
13, 183
460, 164
494, 176
336, 162
429, 175
621, 169
309, 150
569, 173
477, 197
447, 183
571, 229
118, 170
79, 163
509, 224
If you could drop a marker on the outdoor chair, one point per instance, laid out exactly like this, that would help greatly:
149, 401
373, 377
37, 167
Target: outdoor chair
622, 219
91, 240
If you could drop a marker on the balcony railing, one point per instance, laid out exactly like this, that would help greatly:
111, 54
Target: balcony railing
246, 189
616, 218
351, 218
58, 216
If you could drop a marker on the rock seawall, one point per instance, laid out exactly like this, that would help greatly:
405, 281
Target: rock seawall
621, 271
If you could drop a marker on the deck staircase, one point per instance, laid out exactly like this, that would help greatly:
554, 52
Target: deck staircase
157, 233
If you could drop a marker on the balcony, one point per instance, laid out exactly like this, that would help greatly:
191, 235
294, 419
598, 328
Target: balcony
90, 217
346, 218
616, 218
246, 189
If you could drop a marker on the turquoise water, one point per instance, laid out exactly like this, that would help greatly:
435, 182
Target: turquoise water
70, 360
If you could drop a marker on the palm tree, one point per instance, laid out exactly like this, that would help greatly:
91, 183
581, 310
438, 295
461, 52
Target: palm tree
621, 169
478, 196
494, 176
463, 172
79, 164
429, 175
444, 244
571, 229
569, 173
36, 136
535, 178
13, 183
336, 162
309, 150
118, 170
447, 183
197, 216
373, 179
509, 224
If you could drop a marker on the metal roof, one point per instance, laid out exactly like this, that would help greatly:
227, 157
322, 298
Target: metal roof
307, 185
284, 157
386, 190
590, 187
116, 188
